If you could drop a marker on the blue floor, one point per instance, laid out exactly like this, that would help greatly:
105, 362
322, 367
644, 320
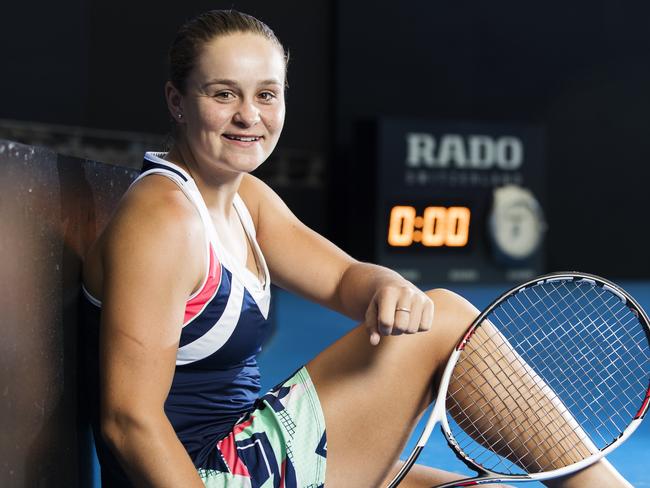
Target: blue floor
304, 329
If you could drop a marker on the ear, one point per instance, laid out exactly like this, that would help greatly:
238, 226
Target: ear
174, 102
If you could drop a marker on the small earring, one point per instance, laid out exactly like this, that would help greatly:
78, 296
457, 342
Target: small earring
180, 116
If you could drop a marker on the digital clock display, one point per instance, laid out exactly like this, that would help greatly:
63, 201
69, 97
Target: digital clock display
452, 201
437, 227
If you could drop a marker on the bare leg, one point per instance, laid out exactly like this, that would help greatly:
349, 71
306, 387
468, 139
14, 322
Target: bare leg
373, 396
599, 475
502, 404
491, 378
425, 477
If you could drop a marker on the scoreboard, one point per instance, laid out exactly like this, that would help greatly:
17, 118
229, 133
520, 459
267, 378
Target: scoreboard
453, 202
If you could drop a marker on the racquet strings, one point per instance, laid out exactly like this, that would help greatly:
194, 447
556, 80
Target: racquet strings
553, 374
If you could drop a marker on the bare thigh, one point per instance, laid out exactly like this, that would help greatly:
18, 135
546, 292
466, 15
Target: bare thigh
372, 397
426, 477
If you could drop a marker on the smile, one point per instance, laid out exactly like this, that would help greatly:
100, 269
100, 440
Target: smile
242, 138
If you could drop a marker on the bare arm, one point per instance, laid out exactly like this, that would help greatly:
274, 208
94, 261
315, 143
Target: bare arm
306, 263
144, 289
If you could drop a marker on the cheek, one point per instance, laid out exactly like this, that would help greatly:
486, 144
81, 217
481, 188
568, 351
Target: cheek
276, 120
215, 120
210, 117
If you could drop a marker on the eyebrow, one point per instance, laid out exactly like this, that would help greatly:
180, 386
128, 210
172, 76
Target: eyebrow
225, 81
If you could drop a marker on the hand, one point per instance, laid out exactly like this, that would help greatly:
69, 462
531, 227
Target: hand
398, 309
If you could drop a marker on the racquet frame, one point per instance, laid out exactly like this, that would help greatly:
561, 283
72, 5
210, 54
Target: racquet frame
439, 415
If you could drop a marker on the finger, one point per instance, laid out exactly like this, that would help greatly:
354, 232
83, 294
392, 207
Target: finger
375, 337
371, 323
403, 312
415, 319
428, 313
402, 319
386, 303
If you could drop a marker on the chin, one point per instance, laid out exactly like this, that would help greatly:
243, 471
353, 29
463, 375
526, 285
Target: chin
248, 166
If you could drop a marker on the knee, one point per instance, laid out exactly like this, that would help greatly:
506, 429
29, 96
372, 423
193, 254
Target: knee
451, 302
453, 314
443, 293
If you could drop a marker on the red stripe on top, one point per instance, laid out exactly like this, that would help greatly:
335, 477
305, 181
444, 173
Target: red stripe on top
207, 291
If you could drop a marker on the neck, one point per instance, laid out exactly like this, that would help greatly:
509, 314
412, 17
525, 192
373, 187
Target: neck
217, 187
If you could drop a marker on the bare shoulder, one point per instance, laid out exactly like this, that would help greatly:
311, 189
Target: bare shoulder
253, 191
262, 201
153, 201
154, 219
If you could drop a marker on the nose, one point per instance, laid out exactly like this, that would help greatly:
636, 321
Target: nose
247, 115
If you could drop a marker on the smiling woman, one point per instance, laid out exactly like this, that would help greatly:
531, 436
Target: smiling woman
231, 105
177, 293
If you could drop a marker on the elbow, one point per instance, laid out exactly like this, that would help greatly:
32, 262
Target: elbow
119, 426
114, 427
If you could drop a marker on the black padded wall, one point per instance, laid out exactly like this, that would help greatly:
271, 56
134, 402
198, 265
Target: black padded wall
51, 208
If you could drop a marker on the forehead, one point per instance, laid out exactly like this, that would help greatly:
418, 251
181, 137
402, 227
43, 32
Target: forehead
241, 57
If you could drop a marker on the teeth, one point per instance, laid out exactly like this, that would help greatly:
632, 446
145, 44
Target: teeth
243, 139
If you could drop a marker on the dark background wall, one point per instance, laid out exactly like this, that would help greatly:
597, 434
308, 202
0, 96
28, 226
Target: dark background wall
577, 69
44, 50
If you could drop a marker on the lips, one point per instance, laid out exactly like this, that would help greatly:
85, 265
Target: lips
242, 138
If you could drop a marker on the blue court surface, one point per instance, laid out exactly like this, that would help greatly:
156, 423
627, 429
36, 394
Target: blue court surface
304, 329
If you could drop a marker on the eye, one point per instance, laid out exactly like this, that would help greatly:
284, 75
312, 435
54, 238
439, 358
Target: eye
224, 95
267, 96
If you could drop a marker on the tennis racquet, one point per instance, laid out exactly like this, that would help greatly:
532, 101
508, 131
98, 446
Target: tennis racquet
549, 378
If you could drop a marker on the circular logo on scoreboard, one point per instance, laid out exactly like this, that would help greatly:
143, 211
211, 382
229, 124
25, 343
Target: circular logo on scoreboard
516, 224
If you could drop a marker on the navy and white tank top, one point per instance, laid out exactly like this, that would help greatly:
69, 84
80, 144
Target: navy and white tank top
216, 379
